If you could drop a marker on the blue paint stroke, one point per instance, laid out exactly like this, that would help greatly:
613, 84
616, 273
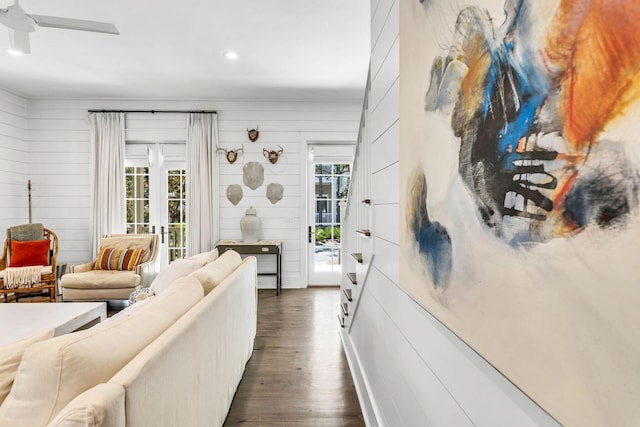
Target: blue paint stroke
531, 90
434, 243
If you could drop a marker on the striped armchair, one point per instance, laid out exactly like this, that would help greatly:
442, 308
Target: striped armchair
112, 275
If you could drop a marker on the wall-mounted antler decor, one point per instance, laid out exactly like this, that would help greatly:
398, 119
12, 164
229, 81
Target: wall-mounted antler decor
273, 155
232, 155
253, 134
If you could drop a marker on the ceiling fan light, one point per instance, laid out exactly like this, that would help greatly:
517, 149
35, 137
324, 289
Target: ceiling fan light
13, 52
231, 55
19, 41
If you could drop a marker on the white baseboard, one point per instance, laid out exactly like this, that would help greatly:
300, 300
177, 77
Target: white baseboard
360, 382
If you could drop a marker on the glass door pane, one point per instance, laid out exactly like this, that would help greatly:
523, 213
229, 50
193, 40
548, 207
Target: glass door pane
137, 199
176, 214
331, 186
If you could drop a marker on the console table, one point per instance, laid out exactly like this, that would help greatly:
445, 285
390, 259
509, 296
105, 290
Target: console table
261, 247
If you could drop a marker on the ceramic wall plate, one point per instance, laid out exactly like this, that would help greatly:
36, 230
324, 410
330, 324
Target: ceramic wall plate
253, 175
274, 192
234, 194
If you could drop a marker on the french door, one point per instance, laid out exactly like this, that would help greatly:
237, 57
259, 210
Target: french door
329, 183
156, 196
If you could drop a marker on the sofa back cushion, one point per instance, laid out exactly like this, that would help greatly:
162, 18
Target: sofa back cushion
54, 372
175, 270
130, 241
212, 274
206, 257
10, 357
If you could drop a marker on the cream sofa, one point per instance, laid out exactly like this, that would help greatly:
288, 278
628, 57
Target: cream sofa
174, 359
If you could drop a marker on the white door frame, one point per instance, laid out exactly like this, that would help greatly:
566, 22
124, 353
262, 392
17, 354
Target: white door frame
314, 138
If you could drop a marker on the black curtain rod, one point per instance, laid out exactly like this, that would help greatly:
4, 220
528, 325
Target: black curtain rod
154, 111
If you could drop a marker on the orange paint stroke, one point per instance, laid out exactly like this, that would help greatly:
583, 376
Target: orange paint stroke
593, 48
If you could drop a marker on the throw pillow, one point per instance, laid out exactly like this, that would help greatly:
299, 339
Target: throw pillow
10, 357
118, 259
102, 405
27, 253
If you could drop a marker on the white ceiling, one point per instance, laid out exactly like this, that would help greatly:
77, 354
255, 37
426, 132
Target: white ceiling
289, 49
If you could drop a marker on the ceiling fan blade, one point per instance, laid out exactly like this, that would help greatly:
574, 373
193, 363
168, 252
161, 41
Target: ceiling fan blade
19, 41
74, 24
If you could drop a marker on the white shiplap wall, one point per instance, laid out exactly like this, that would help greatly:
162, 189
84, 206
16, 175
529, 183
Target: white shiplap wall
58, 134
13, 161
411, 370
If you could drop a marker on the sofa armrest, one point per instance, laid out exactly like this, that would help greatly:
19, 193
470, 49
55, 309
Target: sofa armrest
81, 268
147, 272
100, 406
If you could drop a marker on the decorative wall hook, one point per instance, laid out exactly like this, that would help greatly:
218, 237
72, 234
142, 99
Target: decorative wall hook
253, 134
273, 155
232, 155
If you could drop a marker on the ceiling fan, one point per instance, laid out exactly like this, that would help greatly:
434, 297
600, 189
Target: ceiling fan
20, 24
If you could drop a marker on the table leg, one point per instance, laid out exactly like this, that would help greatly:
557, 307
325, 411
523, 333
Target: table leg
278, 275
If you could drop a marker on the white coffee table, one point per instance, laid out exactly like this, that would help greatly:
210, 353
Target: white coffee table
19, 321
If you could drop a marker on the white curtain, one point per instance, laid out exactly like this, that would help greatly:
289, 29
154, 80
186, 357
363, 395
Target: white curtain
107, 176
202, 182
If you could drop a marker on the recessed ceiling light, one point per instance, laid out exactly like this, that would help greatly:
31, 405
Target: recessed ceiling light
14, 52
231, 55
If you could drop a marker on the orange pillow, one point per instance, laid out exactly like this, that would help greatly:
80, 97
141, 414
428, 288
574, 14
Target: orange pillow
118, 259
30, 252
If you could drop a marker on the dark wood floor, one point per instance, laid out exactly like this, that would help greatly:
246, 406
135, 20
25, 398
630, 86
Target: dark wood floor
298, 374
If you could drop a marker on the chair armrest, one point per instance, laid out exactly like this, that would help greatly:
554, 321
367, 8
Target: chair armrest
3, 260
81, 268
147, 272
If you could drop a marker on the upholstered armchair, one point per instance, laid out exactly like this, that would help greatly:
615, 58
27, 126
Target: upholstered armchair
28, 263
126, 262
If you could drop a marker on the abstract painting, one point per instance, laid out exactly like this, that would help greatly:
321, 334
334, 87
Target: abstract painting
520, 175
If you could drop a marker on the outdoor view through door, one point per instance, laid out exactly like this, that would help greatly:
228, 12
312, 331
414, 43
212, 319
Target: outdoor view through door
331, 185
156, 203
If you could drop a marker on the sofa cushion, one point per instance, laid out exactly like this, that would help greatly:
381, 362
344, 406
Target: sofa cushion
102, 405
55, 371
10, 357
178, 268
101, 279
118, 259
212, 274
130, 241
